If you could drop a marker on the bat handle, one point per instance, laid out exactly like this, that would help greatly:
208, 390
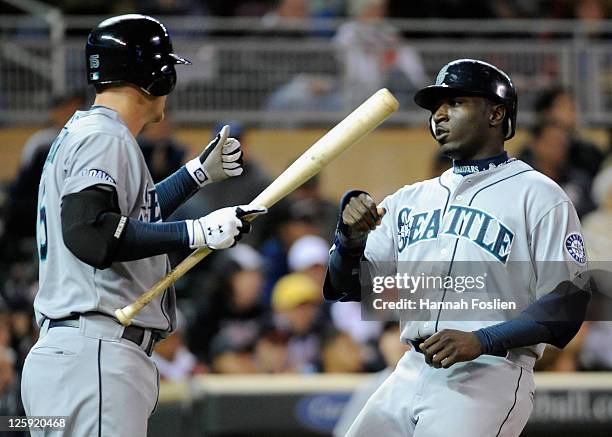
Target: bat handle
127, 313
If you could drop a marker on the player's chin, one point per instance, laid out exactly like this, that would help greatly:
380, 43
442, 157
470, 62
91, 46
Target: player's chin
449, 148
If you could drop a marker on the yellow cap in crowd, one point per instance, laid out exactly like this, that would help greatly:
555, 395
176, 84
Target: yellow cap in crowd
293, 290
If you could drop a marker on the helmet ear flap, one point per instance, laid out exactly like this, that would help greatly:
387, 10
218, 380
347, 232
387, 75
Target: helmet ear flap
163, 81
509, 128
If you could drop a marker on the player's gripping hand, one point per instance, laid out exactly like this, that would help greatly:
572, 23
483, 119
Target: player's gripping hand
221, 159
360, 215
449, 346
222, 228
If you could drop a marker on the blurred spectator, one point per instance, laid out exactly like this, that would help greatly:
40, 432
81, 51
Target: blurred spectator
231, 351
173, 360
10, 391
17, 332
25, 334
449, 8
325, 9
5, 329
593, 355
548, 152
20, 283
296, 301
304, 92
169, 7
507, 9
591, 13
346, 316
339, 353
232, 299
597, 228
272, 352
374, 56
392, 350
91, 7
284, 15
21, 209
566, 359
590, 10
309, 255
597, 225
557, 105
162, 153
324, 211
294, 222
235, 191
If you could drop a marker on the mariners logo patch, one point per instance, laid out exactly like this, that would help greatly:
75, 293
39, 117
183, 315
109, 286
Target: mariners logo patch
575, 247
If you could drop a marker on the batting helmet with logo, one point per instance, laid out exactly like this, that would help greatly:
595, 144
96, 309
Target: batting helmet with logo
132, 48
472, 77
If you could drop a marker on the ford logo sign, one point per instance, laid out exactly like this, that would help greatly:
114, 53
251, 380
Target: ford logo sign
321, 412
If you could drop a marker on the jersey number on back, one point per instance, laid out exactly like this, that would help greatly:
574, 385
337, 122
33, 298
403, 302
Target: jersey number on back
42, 234
42, 212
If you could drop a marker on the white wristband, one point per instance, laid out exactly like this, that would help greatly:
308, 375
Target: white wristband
194, 167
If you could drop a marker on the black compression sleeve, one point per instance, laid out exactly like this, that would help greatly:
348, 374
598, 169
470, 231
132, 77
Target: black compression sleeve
142, 240
342, 276
174, 190
497, 339
555, 318
96, 233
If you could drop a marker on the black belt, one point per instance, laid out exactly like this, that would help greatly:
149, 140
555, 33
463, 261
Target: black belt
135, 334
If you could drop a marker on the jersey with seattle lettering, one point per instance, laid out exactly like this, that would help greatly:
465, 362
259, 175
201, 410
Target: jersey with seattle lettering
509, 221
96, 148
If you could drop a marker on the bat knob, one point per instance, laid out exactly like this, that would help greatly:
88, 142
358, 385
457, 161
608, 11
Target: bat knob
123, 317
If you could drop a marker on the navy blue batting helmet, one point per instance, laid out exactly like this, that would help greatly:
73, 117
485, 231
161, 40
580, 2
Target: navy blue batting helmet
132, 48
472, 77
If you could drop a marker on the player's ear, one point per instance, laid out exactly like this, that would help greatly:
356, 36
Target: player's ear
497, 114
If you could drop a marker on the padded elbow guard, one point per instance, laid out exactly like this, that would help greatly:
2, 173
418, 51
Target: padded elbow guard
92, 226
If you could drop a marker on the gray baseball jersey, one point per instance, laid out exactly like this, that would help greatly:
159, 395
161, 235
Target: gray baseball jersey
510, 216
96, 148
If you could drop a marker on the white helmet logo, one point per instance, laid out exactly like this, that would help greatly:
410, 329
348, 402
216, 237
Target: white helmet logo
94, 61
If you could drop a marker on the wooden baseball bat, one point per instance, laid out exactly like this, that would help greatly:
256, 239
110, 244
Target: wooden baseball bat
355, 126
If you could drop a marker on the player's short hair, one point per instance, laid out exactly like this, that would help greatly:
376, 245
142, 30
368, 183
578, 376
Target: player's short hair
101, 87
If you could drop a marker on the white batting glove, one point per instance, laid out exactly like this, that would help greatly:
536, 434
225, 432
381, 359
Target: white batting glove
221, 159
222, 228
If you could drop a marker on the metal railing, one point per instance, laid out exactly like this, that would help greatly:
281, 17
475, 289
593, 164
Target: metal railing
244, 69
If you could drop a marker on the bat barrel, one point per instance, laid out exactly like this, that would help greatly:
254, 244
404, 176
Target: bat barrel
355, 126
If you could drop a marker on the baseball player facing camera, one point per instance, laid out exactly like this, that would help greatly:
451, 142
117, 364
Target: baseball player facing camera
467, 378
103, 238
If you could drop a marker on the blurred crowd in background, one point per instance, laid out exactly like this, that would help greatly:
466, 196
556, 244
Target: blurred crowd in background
258, 307
272, 9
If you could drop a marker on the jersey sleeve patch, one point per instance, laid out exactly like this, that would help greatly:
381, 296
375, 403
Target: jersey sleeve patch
99, 174
574, 245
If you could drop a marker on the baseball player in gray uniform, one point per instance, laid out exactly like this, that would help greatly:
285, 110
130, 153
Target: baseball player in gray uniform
102, 238
464, 377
